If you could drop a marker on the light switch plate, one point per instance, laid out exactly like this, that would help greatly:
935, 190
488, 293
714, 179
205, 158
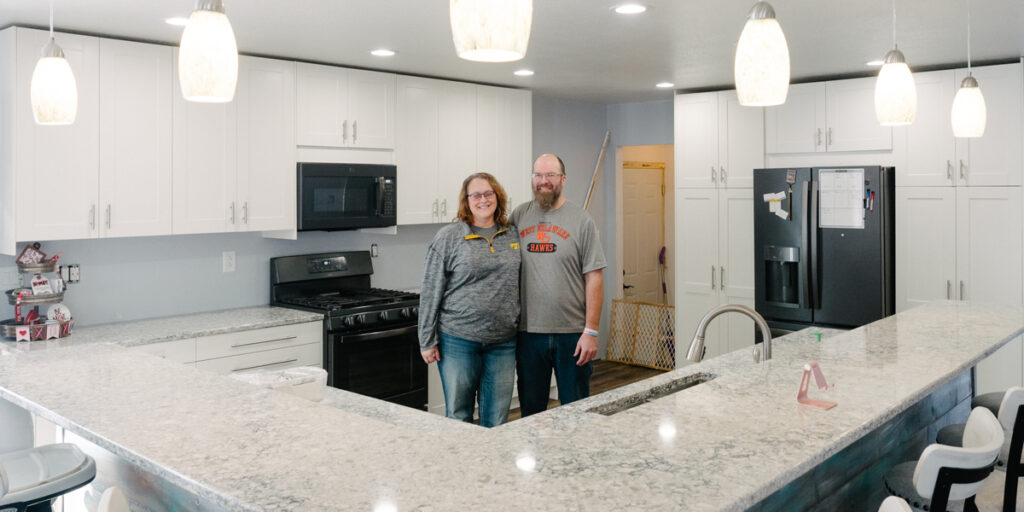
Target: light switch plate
228, 261
374, 251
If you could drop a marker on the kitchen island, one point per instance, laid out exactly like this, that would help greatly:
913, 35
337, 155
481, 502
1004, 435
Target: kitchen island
725, 444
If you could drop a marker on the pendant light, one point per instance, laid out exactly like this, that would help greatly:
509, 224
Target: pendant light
895, 92
491, 30
208, 56
53, 92
969, 113
761, 69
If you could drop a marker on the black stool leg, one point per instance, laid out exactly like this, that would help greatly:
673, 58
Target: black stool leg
1013, 464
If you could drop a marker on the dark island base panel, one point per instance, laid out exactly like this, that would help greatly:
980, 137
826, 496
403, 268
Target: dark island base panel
144, 490
851, 480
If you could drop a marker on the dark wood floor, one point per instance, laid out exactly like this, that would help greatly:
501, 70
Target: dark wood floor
607, 375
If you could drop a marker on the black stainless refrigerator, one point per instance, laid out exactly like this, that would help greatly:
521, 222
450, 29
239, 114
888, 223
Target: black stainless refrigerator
824, 246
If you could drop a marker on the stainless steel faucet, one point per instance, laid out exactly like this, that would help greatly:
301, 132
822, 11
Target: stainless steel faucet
696, 352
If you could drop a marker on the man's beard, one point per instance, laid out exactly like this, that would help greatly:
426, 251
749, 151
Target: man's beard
547, 199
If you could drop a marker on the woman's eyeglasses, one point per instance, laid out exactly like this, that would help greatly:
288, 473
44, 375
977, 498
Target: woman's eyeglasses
476, 196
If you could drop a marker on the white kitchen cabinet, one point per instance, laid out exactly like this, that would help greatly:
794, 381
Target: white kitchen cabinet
933, 157
178, 351
345, 108
962, 244
274, 359
234, 163
718, 142
827, 116
275, 348
714, 241
135, 139
449, 130
504, 128
266, 144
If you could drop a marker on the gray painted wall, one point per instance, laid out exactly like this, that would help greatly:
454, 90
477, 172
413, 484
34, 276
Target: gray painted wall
135, 278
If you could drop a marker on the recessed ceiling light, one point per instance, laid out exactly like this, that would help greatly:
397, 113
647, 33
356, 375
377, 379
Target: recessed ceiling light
177, 22
630, 9
875, 63
523, 72
665, 85
383, 52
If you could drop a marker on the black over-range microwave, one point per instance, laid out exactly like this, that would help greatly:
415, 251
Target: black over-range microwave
345, 196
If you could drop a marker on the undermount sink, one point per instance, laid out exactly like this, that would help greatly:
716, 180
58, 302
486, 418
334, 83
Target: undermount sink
649, 395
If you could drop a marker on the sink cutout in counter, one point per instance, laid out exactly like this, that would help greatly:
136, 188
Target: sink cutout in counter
643, 397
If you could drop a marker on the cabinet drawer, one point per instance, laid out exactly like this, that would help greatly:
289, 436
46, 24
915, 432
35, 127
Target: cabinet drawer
257, 340
179, 351
310, 354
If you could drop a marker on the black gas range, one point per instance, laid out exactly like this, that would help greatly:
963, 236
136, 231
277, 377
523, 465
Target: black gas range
370, 341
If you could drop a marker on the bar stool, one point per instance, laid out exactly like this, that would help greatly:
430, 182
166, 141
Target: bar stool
30, 478
945, 473
894, 504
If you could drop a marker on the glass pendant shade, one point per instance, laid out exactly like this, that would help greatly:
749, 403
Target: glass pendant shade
895, 92
491, 30
53, 92
969, 114
761, 68
208, 56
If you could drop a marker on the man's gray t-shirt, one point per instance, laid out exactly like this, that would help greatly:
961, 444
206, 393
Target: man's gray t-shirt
557, 248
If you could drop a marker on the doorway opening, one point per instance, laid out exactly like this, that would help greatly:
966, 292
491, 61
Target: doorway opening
644, 223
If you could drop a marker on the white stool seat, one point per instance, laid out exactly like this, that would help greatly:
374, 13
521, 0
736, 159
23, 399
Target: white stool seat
34, 475
894, 504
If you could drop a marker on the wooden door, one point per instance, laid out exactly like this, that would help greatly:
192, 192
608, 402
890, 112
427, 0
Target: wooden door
643, 232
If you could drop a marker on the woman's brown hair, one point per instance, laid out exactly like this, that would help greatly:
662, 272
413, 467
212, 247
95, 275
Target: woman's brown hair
500, 211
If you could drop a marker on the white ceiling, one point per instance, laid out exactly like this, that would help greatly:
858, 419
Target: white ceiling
579, 49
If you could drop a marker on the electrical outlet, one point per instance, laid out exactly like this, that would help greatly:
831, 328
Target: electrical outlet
374, 252
228, 260
74, 274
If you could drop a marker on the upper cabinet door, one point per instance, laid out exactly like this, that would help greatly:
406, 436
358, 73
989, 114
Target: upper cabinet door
205, 165
503, 138
995, 158
135, 138
456, 142
797, 126
322, 106
266, 144
925, 245
417, 152
850, 110
929, 146
696, 140
371, 109
56, 168
740, 141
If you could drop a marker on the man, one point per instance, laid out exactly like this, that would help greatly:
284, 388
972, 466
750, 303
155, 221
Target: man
561, 291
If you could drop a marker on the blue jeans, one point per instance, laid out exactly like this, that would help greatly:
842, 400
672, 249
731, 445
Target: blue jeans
536, 355
472, 371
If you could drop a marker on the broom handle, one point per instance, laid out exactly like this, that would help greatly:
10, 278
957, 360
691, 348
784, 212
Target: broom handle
597, 169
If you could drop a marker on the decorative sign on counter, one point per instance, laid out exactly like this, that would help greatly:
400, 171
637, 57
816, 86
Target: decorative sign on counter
40, 285
805, 383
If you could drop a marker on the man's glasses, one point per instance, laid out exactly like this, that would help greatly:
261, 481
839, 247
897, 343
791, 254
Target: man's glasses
476, 196
547, 176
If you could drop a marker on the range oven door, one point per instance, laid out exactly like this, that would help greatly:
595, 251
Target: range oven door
381, 364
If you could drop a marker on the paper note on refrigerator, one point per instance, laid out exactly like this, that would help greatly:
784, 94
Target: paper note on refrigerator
841, 198
775, 204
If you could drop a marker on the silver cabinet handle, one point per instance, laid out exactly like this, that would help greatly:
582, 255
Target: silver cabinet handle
232, 208
712, 277
92, 217
264, 365
963, 170
949, 290
818, 143
344, 130
434, 212
245, 212
444, 209
721, 280
828, 137
961, 290
108, 215
355, 131
721, 172
286, 338
714, 177
949, 169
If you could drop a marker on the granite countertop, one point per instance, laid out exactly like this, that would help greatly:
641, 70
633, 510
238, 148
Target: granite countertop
157, 330
722, 445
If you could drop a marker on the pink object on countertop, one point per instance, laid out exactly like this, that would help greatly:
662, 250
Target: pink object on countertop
805, 383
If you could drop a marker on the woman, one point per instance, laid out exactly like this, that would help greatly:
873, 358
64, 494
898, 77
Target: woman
469, 304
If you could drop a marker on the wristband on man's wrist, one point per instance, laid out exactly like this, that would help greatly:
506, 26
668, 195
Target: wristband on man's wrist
587, 330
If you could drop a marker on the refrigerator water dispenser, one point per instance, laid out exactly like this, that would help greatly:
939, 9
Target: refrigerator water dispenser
782, 276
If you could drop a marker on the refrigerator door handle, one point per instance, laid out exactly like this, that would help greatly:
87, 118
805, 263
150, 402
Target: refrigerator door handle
815, 290
949, 289
805, 261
